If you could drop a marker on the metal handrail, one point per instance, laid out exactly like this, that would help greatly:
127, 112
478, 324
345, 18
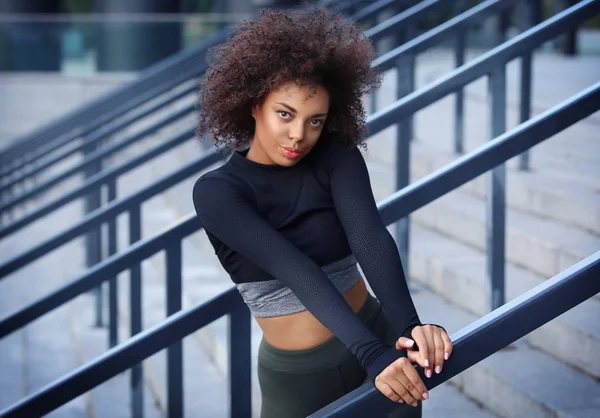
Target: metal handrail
96, 157
98, 136
99, 179
109, 211
153, 81
395, 207
486, 336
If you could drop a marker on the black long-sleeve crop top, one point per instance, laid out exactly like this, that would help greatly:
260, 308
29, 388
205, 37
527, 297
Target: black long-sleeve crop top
272, 222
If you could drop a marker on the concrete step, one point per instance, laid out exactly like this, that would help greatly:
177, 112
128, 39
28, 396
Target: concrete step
541, 245
457, 273
518, 381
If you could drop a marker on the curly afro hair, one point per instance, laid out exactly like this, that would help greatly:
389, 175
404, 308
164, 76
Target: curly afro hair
303, 46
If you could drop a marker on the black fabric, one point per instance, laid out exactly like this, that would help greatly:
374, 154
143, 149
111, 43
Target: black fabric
271, 222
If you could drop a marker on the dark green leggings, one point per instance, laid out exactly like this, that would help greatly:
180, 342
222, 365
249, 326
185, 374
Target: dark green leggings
300, 382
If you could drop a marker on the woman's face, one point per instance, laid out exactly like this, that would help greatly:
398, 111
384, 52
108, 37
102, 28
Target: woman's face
288, 124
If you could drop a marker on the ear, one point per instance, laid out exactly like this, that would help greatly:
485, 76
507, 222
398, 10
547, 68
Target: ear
255, 109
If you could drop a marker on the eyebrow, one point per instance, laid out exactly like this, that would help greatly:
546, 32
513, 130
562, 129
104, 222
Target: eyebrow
295, 111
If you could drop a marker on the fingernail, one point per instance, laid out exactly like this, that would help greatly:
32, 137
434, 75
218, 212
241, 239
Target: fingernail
438, 369
400, 401
426, 396
410, 343
428, 373
414, 404
446, 356
426, 363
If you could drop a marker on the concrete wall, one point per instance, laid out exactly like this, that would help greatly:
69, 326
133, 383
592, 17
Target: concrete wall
29, 101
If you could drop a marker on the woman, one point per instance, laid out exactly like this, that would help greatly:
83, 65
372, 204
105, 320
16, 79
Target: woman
292, 212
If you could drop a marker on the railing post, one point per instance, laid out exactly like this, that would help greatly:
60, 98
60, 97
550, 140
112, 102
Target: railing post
530, 15
113, 296
175, 351
496, 194
93, 239
135, 305
567, 42
459, 109
405, 84
239, 370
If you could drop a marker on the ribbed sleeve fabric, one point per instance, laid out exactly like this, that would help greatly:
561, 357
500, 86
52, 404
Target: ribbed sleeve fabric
369, 239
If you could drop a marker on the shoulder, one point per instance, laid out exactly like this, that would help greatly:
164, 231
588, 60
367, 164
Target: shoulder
336, 149
218, 186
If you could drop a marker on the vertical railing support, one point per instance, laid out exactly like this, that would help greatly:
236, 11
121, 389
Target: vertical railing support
93, 238
405, 84
175, 351
113, 295
496, 195
459, 109
530, 15
135, 295
239, 369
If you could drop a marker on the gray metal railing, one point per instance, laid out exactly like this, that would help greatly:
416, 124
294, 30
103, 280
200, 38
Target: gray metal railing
400, 204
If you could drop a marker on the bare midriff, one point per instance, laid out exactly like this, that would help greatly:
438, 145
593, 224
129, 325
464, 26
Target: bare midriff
302, 330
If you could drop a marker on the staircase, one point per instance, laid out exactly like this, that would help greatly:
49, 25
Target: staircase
553, 221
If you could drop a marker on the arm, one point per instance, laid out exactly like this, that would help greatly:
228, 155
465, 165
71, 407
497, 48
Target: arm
371, 243
226, 213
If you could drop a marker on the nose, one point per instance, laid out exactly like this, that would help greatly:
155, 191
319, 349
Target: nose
296, 133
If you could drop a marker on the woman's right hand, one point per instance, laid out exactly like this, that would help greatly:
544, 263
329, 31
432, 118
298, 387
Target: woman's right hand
400, 382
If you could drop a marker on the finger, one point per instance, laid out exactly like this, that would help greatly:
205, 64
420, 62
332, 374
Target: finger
419, 338
428, 332
403, 343
390, 393
448, 346
412, 382
439, 350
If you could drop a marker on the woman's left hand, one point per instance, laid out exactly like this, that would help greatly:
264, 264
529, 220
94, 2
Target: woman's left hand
434, 347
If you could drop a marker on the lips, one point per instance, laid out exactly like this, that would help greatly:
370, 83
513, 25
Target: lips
291, 152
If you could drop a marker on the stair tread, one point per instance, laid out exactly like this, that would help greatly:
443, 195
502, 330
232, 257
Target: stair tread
566, 237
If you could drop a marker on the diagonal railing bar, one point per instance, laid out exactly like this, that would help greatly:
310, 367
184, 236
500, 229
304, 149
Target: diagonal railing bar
476, 68
95, 157
109, 212
115, 104
487, 335
436, 35
396, 23
491, 154
373, 9
98, 135
97, 180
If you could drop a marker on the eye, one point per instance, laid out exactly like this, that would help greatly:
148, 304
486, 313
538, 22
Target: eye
316, 123
284, 115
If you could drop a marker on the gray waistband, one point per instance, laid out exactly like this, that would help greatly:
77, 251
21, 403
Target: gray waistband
271, 298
